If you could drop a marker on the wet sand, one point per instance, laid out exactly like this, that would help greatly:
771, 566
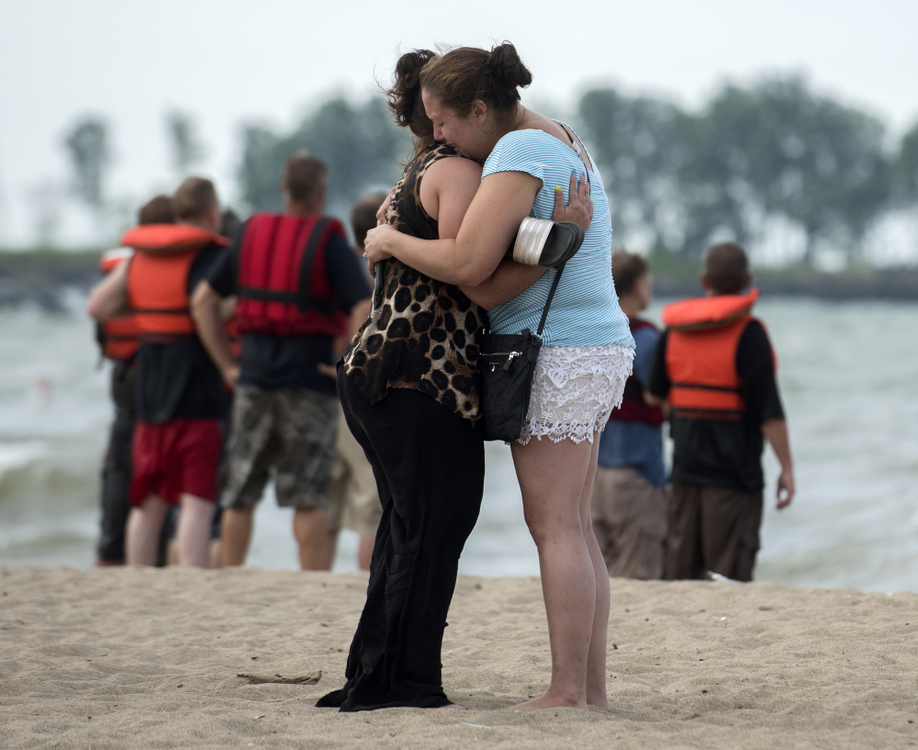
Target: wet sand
123, 658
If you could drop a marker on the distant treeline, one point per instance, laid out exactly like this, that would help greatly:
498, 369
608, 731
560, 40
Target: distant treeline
772, 153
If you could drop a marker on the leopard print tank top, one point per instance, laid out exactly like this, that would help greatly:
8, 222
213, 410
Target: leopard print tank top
422, 334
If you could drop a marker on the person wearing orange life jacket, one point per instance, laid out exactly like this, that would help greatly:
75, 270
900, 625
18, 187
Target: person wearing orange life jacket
629, 503
715, 367
119, 340
297, 281
181, 401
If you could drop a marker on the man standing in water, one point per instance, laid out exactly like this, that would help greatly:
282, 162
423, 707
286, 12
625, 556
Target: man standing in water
297, 280
629, 502
181, 400
715, 366
119, 340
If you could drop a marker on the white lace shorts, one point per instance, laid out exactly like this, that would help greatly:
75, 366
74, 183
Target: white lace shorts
574, 389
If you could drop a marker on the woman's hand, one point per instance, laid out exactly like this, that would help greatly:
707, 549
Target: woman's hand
579, 209
384, 208
377, 245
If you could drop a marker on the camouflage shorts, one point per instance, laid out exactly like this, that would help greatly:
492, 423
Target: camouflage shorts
290, 432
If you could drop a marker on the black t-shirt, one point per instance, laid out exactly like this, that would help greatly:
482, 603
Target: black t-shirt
179, 380
721, 453
290, 362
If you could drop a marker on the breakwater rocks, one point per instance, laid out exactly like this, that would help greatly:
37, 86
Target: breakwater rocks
53, 280
50, 280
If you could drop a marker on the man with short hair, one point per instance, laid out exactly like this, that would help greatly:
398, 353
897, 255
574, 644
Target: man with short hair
629, 502
715, 367
297, 280
180, 400
119, 340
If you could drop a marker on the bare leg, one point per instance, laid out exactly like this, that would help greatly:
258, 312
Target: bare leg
236, 533
143, 527
311, 536
331, 547
365, 552
596, 658
215, 554
192, 537
552, 477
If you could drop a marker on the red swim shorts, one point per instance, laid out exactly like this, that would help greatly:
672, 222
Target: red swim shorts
175, 457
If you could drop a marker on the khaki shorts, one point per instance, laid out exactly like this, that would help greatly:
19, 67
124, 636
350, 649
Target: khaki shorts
289, 433
629, 520
712, 529
354, 503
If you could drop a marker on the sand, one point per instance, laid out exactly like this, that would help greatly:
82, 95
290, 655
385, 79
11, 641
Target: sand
125, 658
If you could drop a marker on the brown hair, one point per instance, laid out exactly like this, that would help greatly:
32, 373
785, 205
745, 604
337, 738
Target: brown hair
627, 270
405, 102
157, 210
194, 198
466, 74
726, 268
303, 176
363, 215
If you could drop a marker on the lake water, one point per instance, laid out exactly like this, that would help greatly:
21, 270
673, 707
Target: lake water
849, 379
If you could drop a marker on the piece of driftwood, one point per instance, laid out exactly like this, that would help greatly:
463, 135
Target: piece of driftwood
260, 679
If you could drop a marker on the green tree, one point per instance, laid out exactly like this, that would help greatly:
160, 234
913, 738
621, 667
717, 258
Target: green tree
90, 155
906, 167
184, 141
640, 145
359, 143
776, 148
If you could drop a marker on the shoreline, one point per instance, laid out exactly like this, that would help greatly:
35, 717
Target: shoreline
43, 277
153, 657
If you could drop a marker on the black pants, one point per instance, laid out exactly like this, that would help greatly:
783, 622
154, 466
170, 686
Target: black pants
429, 467
116, 468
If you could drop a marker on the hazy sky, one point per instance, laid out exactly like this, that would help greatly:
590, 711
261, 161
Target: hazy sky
230, 61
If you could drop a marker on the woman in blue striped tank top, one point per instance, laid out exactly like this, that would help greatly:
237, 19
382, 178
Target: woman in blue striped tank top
472, 98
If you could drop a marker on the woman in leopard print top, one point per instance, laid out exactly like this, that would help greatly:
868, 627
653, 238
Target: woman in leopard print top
408, 387
423, 334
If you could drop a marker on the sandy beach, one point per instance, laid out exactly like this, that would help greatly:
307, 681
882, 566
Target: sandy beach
125, 658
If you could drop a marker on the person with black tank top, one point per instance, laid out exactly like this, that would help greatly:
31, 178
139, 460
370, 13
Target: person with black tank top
408, 385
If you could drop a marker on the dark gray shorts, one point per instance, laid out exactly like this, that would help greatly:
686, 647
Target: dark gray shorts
291, 433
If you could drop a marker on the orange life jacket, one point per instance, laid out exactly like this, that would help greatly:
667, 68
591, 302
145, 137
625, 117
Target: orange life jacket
157, 279
284, 289
701, 349
166, 239
119, 338
158, 293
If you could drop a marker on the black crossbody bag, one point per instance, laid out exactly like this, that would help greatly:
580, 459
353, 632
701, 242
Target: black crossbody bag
506, 364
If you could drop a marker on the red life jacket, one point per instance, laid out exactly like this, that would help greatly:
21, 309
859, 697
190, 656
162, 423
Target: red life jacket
701, 349
119, 338
157, 280
634, 408
284, 289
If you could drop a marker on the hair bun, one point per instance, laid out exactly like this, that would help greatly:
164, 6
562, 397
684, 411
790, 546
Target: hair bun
505, 67
404, 96
409, 65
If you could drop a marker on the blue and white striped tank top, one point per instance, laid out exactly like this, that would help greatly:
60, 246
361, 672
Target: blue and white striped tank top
585, 310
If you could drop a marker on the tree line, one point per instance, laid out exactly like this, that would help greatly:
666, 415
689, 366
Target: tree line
676, 180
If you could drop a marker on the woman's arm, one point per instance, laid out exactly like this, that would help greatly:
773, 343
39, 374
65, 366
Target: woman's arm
511, 279
503, 200
501, 203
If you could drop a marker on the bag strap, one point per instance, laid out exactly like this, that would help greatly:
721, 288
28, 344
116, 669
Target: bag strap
551, 294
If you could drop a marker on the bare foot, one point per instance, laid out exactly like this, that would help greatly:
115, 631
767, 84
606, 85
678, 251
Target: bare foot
551, 701
602, 703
